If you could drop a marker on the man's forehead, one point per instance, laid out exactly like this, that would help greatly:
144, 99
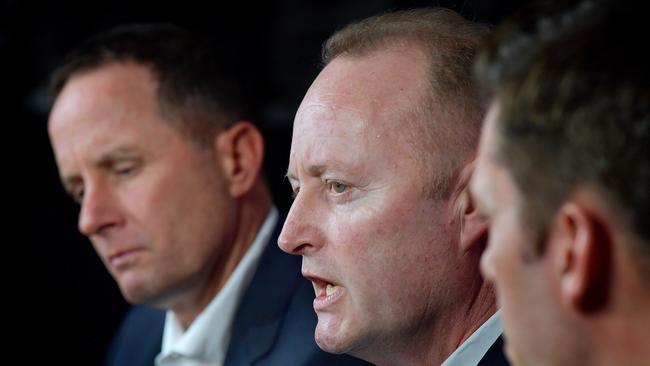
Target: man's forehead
385, 76
327, 138
333, 104
330, 118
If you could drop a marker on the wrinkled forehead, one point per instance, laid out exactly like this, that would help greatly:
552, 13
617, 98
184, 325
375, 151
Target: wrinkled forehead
331, 134
329, 119
346, 136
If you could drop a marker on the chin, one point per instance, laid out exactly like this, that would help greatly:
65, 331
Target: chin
337, 341
134, 297
331, 343
138, 294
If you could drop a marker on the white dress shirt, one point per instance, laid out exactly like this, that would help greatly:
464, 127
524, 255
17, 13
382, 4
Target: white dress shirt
206, 340
476, 346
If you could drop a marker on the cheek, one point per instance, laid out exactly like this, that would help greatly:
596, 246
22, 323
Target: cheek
383, 245
178, 208
350, 246
367, 234
149, 195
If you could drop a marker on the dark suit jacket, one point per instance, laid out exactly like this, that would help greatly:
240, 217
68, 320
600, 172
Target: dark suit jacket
274, 325
495, 356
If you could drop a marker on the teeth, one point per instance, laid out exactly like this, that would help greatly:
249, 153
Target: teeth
330, 289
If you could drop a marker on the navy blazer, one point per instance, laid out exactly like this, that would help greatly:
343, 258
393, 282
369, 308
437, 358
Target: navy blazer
274, 325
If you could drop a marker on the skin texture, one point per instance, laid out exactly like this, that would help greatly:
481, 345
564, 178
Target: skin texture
580, 301
362, 222
168, 218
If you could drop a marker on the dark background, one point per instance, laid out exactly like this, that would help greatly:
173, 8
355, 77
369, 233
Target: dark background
74, 306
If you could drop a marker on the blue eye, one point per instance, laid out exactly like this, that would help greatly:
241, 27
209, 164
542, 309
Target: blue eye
337, 187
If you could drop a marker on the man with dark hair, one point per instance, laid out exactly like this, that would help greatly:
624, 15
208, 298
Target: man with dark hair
563, 177
383, 147
152, 138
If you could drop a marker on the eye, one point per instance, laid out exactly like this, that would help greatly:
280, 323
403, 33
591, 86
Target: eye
294, 192
336, 187
77, 194
125, 169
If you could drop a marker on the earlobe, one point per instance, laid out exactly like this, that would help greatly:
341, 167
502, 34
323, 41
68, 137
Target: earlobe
580, 249
240, 149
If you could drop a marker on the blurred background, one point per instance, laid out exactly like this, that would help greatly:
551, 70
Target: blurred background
74, 306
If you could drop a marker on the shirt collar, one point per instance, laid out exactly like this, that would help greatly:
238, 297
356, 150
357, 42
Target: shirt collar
476, 346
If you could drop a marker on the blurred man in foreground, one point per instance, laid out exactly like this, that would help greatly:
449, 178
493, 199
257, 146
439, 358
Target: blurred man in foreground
563, 178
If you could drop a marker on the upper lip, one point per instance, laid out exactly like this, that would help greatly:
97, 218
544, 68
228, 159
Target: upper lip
315, 278
320, 284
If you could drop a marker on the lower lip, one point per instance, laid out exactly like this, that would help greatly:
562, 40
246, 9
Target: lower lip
125, 258
322, 302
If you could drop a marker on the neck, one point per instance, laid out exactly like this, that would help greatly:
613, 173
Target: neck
620, 331
623, 339
250, 215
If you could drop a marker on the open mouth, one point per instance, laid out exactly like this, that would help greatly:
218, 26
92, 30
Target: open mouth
326, 292
323, 288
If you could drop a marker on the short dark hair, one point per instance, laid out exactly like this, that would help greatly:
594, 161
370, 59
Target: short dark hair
195, 83
574, 99
450, 43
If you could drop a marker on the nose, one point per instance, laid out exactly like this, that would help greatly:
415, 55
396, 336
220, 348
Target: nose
99, 210
301, 233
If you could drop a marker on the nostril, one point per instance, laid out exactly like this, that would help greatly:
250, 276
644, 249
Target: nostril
300, 249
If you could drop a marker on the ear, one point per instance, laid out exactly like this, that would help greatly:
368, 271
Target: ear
473, 227
240, 150
580, 249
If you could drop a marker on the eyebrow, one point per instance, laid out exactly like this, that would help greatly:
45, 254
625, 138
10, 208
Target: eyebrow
313, 170
108, 158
